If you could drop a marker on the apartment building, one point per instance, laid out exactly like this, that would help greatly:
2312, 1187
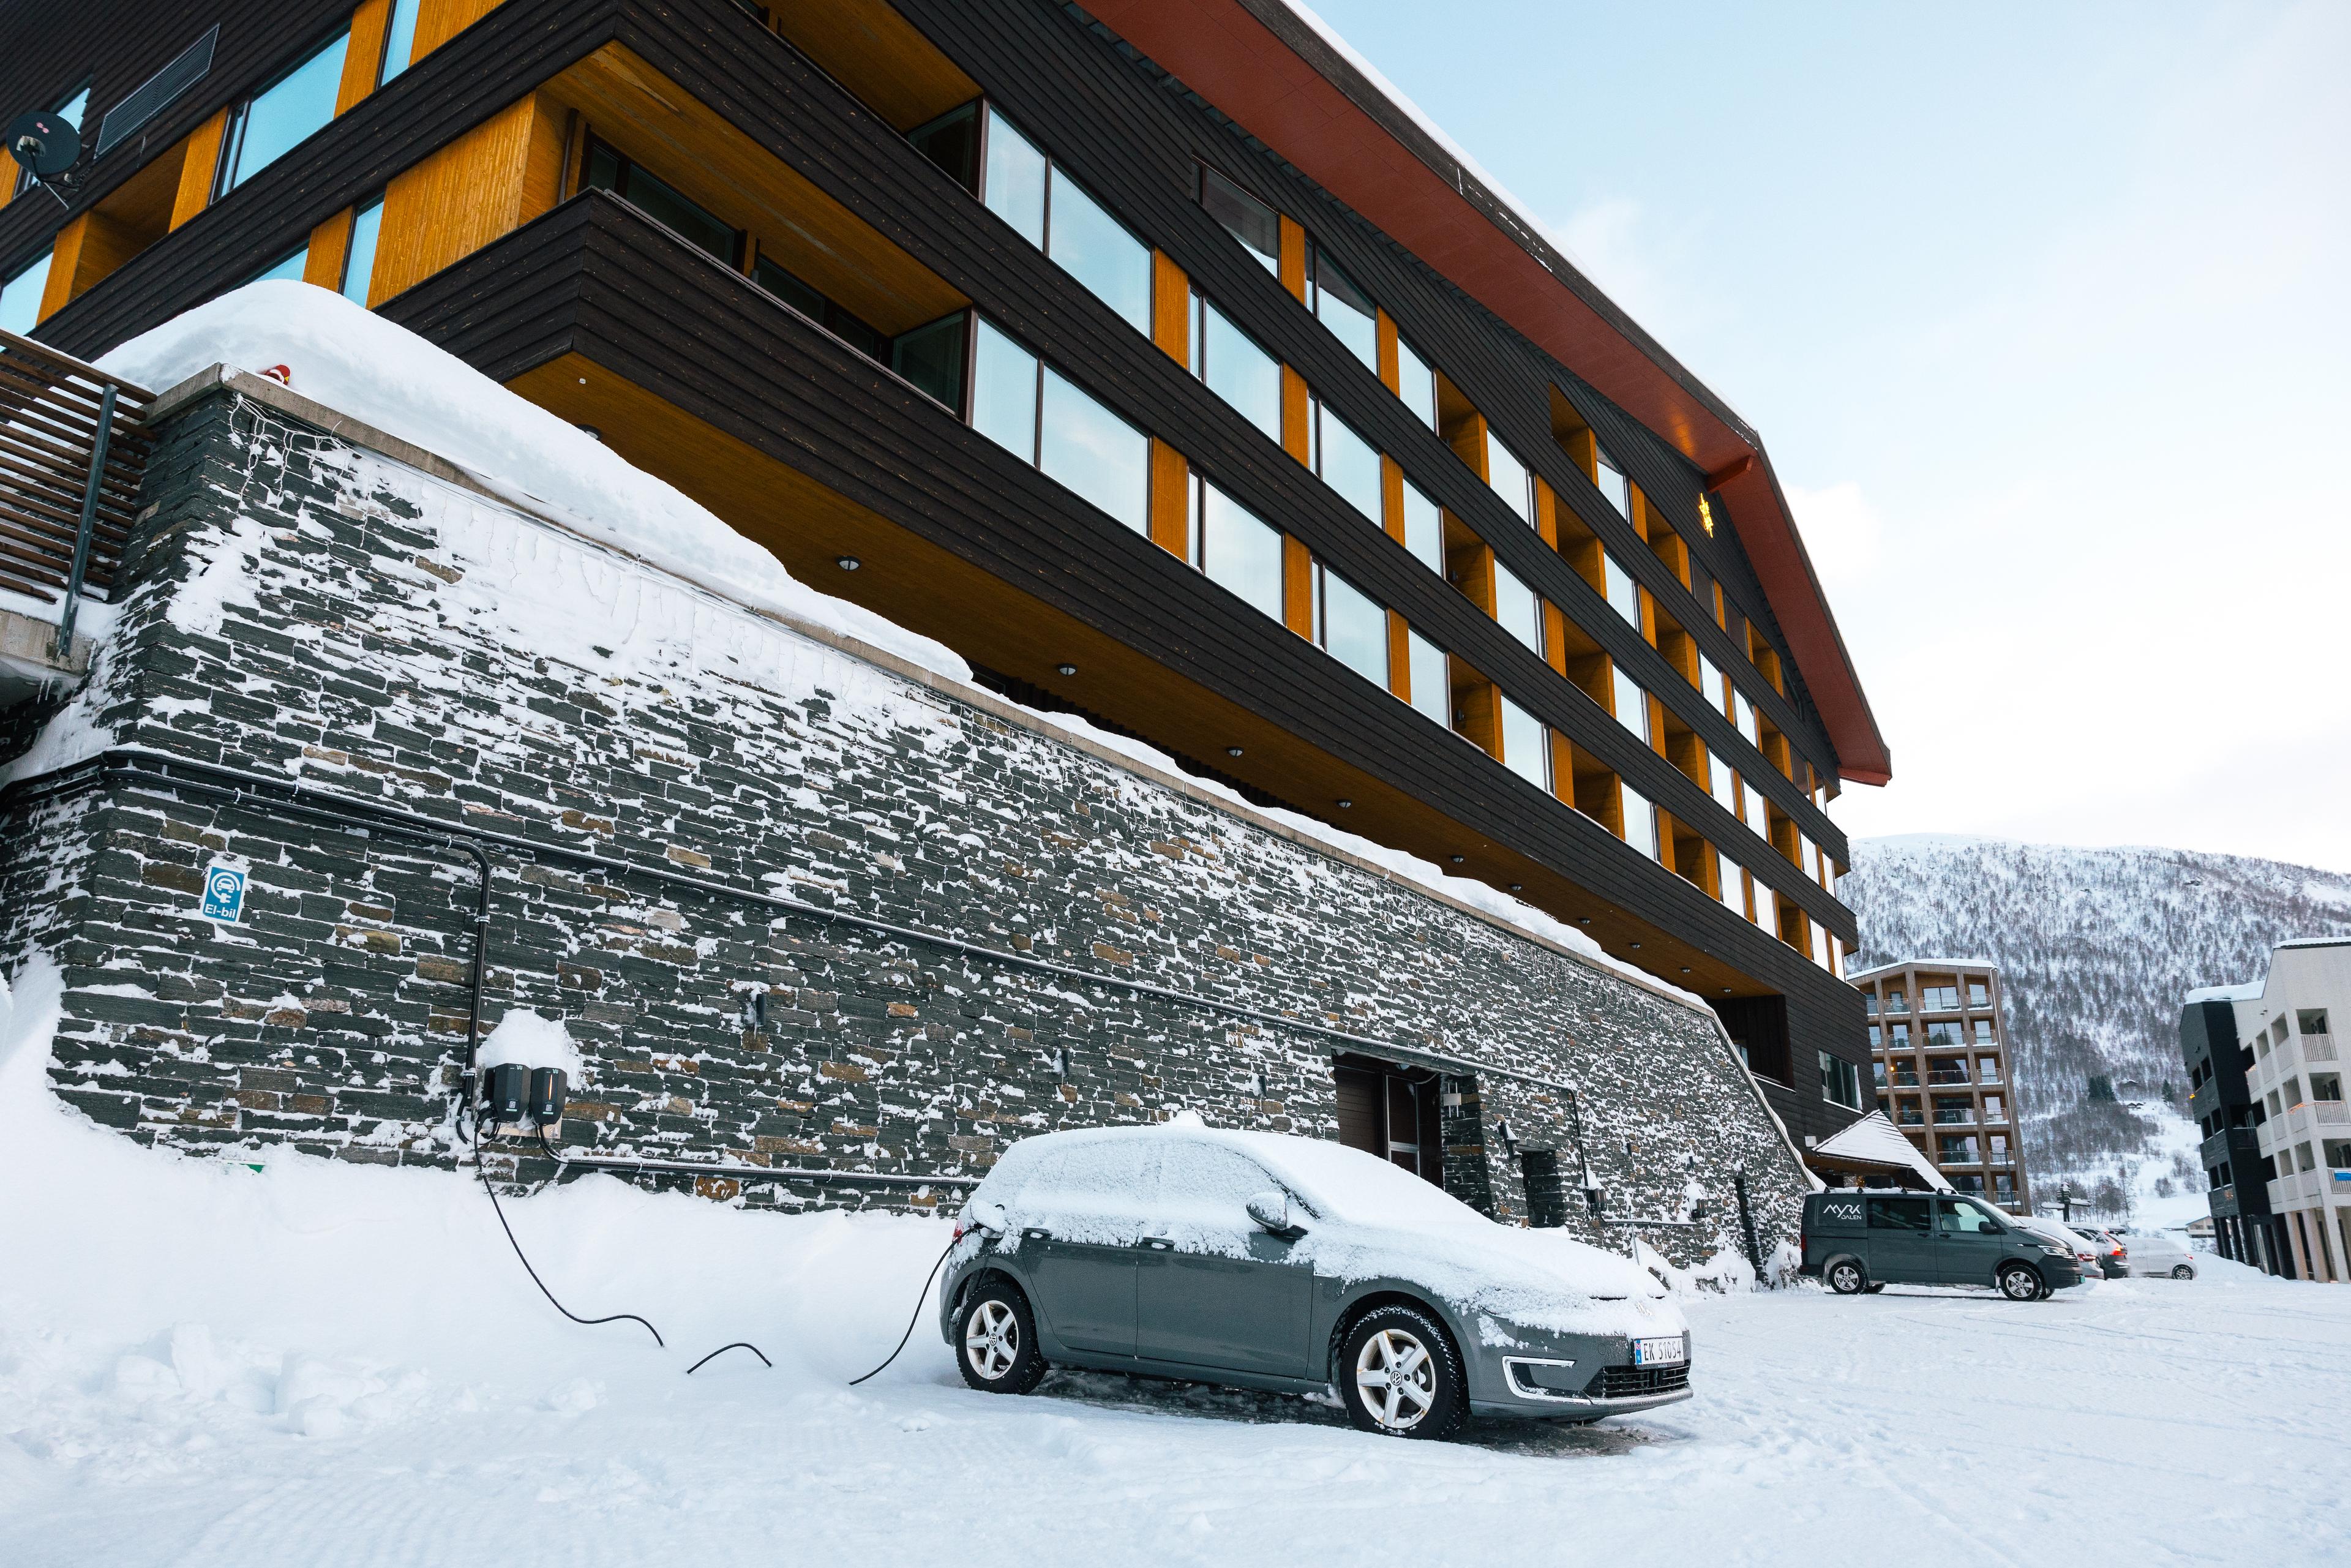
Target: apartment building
2274, 1080
1938, 1052
1150, 355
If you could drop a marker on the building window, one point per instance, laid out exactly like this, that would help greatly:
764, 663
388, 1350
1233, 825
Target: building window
1840, 1081
1417, 384
1978, 994
1347, 463
270, 123
1519, 607
1640, 821
1711, 685
1510, 478
1526, 745
1731, 885
359, 255
1230, 363
1237, 549
1424, 528
1898, 1001
1722, 784
1632, 703
1432, 679
1247, 219
399, 40
1344, 309
1612, 483
1938, 998
1869, 1007
1753, 811
1624, 594
287, 268
1810, 853
1053, 212
1032, 411
1354, 628
20, 296
1766, 906
1943, 1035
1743, 713
606, 169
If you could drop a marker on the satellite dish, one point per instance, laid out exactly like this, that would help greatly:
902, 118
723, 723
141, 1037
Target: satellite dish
46, 143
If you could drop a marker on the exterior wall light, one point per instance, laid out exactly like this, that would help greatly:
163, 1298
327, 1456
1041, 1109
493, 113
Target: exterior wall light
849, 563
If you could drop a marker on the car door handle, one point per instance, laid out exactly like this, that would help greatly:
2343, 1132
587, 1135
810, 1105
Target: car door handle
1034, 1234
1158, 1244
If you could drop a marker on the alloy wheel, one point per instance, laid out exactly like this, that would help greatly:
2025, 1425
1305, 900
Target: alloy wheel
1396, 1378
991, 1340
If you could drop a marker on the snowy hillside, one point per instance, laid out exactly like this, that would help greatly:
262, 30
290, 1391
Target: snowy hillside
2098, 948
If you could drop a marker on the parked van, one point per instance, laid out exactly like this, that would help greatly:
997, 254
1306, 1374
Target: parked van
1862, 1240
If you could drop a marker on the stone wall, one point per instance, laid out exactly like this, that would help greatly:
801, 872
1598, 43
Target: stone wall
308, 607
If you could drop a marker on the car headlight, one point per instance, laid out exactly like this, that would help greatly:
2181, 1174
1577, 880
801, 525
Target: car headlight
2058, 1251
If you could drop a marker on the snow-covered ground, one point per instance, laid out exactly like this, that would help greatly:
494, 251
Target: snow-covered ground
203, 1363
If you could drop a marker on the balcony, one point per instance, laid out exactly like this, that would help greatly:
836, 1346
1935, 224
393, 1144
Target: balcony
1994, 1118
1955, 1118
1999, 1161
1910, 1119
2282, 1193
1948, 1075
1990, 1076
2330, 1113
2318, 1047
1958, 1161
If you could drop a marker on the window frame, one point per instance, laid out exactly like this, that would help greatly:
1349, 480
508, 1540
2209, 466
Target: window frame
227, 179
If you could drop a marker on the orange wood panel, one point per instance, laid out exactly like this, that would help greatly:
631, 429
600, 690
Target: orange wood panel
1391, 365
1657, 742
1293, 258
363, 56
1467, 439
542, 172
1171, 489
1563, 767
459, 199
1171, 308
438, 21
330, 242
1399, 656
198, 166
65, 265
1546, 512
1294, 413
1555, 636
1298, 587
1392, 498
879, 56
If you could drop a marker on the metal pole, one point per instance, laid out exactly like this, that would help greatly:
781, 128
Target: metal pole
64, 649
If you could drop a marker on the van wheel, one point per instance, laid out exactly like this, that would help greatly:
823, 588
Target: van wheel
1847, 1279
996, 1335
2183, 1273
2020, 1282
1400, 1376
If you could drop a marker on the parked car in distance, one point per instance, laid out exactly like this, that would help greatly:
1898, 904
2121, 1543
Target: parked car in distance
2085, 1251
1858, 1240
2153, 1255
1296, 1265
2113, 1258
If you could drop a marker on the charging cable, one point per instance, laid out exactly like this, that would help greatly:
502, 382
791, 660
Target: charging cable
922, 1296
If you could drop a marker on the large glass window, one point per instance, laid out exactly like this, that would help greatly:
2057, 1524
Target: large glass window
1424, 528
1632, 703
1235, 367
1841, 1085
1712, 686
1753, 811
1519, 607
1040, 416
1613, 485
1348, 463
1526, 745
1744, 711
1722, 784
1236, 548
267, 125
1624, 593
1730, 884
1417, 384
399, 40
1767, 907
1053, 213
1640, 821
1510, 478
605, 169
358, 256
931, 357
287, 268
809, 301
1247, 219
20, 296
1355, 629
1432, 679
1344, 309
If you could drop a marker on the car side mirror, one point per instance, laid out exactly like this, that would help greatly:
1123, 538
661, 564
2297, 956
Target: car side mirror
1271, 1212
990, 1217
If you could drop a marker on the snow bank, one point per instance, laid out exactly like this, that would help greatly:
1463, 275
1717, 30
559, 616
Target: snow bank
523, 1038
362, 365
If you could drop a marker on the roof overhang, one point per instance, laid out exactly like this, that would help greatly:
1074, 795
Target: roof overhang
1259, 62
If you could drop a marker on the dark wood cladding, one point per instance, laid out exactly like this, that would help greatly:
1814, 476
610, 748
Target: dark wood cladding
597, 279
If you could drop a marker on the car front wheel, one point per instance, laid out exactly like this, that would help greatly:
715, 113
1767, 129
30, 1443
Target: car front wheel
1400, 1376
2183, 1273
2020, 1283
996, 1335
1847, 1279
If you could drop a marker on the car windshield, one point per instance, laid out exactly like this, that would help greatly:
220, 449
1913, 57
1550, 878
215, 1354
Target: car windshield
1958, 1216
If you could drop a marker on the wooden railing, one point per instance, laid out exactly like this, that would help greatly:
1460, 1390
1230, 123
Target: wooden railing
72, 451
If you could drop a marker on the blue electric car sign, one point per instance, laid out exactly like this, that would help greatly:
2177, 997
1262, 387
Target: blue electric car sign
224, 893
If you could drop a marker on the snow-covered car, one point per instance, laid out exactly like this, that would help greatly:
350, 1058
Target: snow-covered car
2157, 1256
1299, 1265
2113, 1258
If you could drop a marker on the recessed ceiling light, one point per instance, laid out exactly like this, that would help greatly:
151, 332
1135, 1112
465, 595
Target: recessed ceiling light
1344, 805
1637, 944
1583, 920
1065, 669
849, 563
1232, 751
1684, 969
1518, 887
1459, 859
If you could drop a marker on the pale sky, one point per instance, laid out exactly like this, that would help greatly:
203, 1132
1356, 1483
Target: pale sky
2042, 312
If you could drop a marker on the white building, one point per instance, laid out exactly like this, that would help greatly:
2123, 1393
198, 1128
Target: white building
2302, 1122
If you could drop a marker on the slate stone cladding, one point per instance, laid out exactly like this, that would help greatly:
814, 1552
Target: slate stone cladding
303, 606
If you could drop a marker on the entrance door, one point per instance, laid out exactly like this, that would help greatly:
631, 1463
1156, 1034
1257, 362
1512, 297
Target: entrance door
1391, 1111
1902, 1241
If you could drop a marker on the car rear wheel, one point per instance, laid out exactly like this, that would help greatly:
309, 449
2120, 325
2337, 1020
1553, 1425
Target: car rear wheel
996, 1335
2019, 1282
1400, 1376
1845, 1278
2183, 1273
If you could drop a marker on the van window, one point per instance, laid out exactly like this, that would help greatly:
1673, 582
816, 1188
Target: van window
1897, 1214
1956, 1218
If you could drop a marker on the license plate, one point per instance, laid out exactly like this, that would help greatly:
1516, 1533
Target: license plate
1658, 1352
